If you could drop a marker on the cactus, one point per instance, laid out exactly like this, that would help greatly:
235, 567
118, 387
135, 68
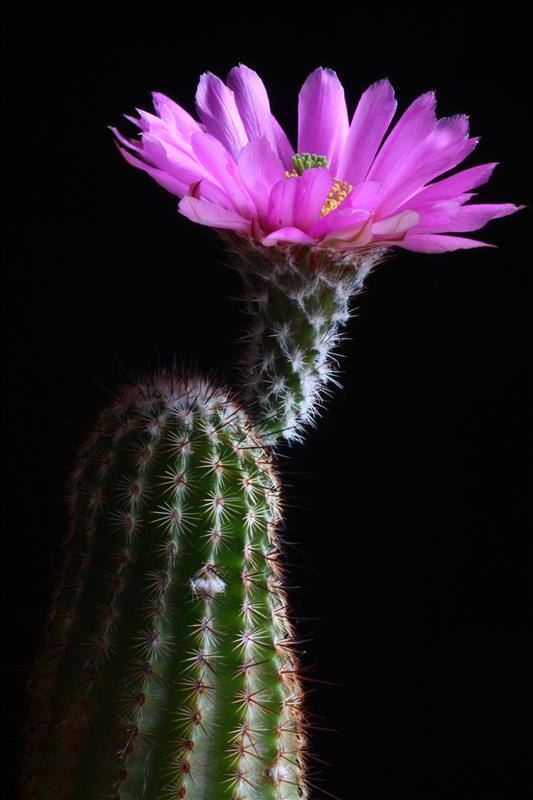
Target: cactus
167, 669
298, 300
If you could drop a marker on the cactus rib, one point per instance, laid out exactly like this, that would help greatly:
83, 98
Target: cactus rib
168, 669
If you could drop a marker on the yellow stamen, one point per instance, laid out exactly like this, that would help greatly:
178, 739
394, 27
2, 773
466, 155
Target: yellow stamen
338, 192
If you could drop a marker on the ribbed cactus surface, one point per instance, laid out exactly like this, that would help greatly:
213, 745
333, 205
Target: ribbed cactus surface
167, 669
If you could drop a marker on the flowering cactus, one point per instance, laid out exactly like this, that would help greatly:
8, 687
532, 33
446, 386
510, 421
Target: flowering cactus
307, 225
167, 668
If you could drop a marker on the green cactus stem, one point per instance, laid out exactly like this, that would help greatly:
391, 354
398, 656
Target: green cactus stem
167, 669
298, 301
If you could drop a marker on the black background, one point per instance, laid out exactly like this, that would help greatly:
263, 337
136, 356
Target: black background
406, 506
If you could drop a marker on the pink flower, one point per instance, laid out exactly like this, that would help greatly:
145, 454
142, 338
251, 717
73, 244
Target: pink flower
348, 184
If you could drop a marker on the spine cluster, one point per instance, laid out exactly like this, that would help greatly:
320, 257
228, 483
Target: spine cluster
168, 668
298, 301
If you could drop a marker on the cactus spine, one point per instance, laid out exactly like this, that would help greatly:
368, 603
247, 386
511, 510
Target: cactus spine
167, 669
298, 300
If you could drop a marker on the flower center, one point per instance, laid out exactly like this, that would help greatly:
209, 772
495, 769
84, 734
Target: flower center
338, 192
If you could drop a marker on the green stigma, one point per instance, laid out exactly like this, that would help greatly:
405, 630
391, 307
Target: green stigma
303, 161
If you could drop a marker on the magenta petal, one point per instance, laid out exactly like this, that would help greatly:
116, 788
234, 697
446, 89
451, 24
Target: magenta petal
148, 121
169, 155
313, 188
358, 234
218, 111
297, 201
161, 129
260, 169
437, 217
180, 167
162, 178
252, 103
471, 218
367, 194
395, 226
440, 151
207, 190
223, 170
348, 220
287, 234
430, 243
413, 126
215, 216
281, 204
284, 147
449, 188
322, 116
372, 117
133, 144
176, 116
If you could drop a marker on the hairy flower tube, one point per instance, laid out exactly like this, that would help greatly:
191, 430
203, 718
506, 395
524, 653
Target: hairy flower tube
347, 184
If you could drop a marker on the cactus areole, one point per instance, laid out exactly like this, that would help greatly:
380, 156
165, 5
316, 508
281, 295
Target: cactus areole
167, 669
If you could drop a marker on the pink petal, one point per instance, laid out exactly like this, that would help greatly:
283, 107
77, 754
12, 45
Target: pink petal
206, 213
435, 206
440, 151
207, 190
429, 243
284, 147
148, 121
347, 220
180, 168
162, 178
367, 194
222, 169
413, 126
133, 144
322, 116
438, 216
372, 117
287, 234
395, 226
313, 188
218, 111
252, 103
454, 185
260, 168
471, 218
166, 155
175, 116
298, 201
161, 129
356, 235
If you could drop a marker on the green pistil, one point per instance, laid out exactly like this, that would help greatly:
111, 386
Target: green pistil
303, 161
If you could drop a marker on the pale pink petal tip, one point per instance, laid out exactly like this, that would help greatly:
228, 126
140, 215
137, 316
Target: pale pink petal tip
437, 243
378, 182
